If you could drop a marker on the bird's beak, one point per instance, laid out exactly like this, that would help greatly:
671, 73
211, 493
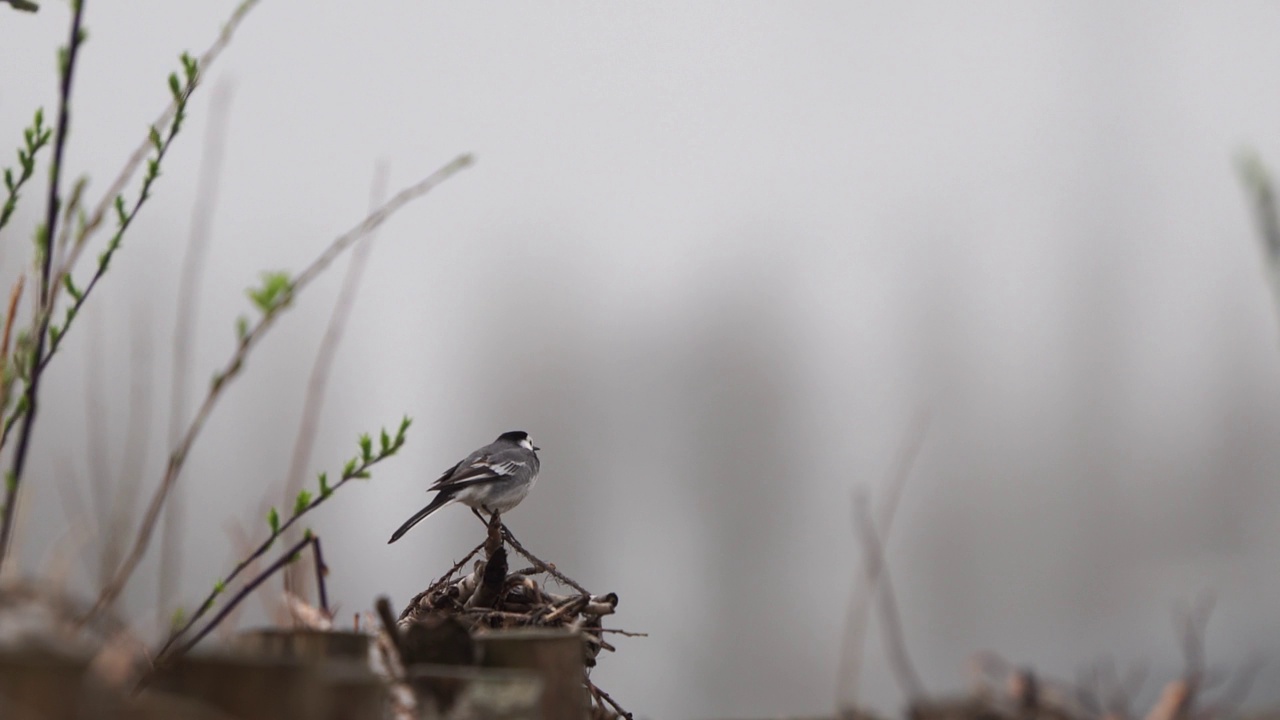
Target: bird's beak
536, 448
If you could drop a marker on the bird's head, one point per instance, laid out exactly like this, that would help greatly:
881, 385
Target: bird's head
521, 438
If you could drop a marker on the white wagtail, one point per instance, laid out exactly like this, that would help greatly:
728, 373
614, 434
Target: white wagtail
494, 479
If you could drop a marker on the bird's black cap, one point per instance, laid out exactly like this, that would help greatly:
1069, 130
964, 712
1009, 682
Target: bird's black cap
514, 436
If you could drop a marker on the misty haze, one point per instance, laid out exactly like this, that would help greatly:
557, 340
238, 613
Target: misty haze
723, 262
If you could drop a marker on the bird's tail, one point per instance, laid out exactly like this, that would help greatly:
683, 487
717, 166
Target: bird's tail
436, 503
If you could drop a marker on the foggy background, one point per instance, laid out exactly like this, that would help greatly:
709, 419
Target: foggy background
714, 257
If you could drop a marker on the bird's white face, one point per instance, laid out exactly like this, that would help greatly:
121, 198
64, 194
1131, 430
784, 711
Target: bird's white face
527, 444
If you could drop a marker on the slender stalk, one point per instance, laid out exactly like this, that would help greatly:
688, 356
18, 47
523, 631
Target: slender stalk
322, 571
235, 364
317, 384
356, 471
193, 264
13, 480
289, 556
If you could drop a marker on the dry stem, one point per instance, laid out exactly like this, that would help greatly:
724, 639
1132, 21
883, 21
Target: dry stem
193, 262
542, 566
895, 645
313, 402
144, 148
15, 296
13, 480
233, 366
603, 698
862, 600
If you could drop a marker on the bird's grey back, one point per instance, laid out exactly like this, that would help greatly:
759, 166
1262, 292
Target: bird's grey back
495, 453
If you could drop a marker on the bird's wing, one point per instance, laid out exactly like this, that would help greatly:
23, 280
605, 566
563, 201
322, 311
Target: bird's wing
444, 476
481, 469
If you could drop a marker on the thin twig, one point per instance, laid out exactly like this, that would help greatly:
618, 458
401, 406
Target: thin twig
80, 523
13, 480
289, 556
235, 364
863, 596
313, 402
379, 216
110, 200
73, 209
126, 217
1228, 702
322, 571
137, 443
116, 506
358, 471
1190, 623
433, 587
624, 633
243, 544
193, 264
140, 153
540, 564
604, 696
15, 296
895, 645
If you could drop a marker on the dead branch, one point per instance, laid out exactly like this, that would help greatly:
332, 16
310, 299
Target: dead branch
234, 365
603, 698
863, 595
542, 566
289, 556
317, 383
895, 646
40, 324
208, 183
15, 296
439, 583
140, 153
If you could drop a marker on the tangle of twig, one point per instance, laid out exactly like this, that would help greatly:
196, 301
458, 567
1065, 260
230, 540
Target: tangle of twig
541, 565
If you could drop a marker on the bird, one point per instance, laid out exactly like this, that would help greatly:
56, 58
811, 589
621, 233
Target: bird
494, 479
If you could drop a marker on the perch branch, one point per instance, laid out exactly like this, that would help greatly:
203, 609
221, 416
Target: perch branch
547, 567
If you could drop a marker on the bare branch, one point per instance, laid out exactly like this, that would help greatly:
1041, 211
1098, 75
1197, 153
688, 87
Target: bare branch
15, 295
542, 566
193, 264
140, 153
234, 365
287, 557
895, 645
860, 603
1190, 624
13, 480
313, 403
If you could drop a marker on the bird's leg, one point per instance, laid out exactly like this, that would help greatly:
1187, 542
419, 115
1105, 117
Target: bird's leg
495, 533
